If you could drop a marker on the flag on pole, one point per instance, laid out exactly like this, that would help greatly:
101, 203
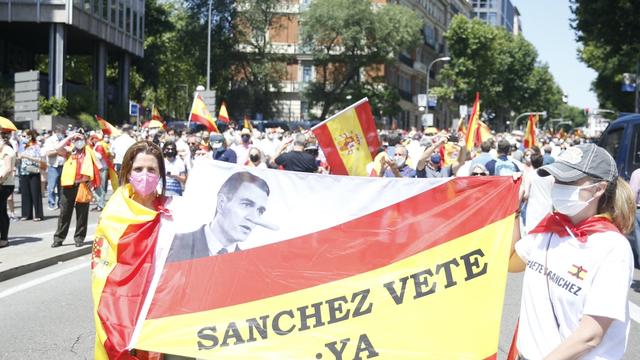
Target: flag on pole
155, 113
471, 138
383, 273
349, 139
462, 128
107, 128
483, 132
121, 270
223, 114
199, 114
247, 123
530, 132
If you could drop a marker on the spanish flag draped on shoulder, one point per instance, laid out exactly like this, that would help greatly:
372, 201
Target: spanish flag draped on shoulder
121, 270
201, 115
388, 268
349, 139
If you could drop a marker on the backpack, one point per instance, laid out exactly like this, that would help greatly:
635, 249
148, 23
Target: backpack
505, 167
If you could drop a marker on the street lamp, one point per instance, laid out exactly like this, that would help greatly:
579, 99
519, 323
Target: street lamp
209, 48
541, 113
444, 58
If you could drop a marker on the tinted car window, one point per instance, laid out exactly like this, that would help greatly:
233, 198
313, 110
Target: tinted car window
612, 140
634, 158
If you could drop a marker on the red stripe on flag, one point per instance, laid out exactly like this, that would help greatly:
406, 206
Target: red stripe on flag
323, 135
492, 357
368, 125
204, 121
126, 286
424, 221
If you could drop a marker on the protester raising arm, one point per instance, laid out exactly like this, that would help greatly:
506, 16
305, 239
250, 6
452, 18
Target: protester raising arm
422, 162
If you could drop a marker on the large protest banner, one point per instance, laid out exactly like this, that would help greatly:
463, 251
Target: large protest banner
266, 264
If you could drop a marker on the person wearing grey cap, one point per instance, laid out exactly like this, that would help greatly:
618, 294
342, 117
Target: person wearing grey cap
578, 265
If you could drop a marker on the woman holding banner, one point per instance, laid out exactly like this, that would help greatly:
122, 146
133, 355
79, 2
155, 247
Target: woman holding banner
123, 249
578, 264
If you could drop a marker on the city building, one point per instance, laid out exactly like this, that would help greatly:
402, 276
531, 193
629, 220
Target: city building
51, 32
500, 13
408, 74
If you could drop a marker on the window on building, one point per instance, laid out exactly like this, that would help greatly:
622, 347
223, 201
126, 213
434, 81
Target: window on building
304, 109
87, 6
128, 22
121, 15
114, 8
306, 73
492, 18
484, 4
105, 10
96, 7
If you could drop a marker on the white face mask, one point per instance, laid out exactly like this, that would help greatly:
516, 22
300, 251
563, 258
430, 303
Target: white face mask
566, 198
400, 160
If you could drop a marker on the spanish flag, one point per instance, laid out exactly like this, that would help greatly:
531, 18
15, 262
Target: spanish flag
155, 113
472, 129
349, 139
530, 132
107, 128
247, 123
393, 269
199, 114
121, 269
223, 114
483, 132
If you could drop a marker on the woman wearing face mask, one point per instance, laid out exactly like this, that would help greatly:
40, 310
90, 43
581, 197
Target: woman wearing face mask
136, 204
176, 173
30, 181
578, 264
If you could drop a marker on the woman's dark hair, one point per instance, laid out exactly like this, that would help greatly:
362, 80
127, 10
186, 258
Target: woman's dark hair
146, 147
33, 136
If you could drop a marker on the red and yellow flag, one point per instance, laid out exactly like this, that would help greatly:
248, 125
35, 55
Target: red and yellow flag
107, 128
247, 123
121, 270
472, 129
223, 114
155, 113
483, 132
201, 115
349, 139
383, 273
530, 132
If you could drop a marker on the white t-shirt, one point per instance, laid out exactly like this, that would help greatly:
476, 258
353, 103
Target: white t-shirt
591, 278
120, 146
8, 151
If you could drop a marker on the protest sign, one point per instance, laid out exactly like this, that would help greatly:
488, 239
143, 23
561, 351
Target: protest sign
266, 264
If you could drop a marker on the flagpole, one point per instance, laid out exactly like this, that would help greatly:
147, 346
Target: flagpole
195, 96
341, 111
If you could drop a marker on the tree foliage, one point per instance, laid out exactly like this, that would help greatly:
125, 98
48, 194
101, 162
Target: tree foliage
609, 31
349, 40
502, 67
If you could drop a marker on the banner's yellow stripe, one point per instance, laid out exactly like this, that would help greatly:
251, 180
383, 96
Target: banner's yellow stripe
455, 321
351, 142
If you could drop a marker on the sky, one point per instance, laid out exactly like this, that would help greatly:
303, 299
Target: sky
546, 25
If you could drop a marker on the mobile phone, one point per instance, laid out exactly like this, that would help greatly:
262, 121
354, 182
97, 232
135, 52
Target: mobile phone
168, 173
453, 138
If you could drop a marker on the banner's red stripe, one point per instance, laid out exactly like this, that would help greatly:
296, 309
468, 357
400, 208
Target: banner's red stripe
126, 286
204, 121
492, 357
368, 125
329, 149
433, 217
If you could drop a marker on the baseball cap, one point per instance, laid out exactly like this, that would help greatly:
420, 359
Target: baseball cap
216, 140
582, 160
435, 158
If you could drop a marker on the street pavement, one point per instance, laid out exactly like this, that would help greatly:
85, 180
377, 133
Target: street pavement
45, 296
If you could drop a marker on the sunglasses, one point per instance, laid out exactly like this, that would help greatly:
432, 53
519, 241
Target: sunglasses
478, 174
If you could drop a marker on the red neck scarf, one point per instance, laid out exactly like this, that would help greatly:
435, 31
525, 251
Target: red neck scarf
561, 225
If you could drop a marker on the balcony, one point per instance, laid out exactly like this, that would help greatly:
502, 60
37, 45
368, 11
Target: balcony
405, 60
405, 95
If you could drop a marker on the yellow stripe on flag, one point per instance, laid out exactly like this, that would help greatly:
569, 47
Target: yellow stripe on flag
450, 308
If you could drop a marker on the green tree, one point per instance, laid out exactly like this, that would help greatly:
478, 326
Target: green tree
502, 67
349, 41
608, 31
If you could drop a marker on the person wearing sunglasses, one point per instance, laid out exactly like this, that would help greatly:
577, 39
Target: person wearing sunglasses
479, 170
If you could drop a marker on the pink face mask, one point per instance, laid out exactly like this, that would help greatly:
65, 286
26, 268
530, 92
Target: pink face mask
144, 183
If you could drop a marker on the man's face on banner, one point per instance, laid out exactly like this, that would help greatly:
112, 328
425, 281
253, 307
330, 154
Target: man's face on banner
242, 212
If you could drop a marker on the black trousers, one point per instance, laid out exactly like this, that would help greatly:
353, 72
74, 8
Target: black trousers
30, 188
67, 204
5, 192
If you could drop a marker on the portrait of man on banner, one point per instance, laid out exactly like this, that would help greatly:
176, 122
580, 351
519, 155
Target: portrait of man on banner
240, 205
